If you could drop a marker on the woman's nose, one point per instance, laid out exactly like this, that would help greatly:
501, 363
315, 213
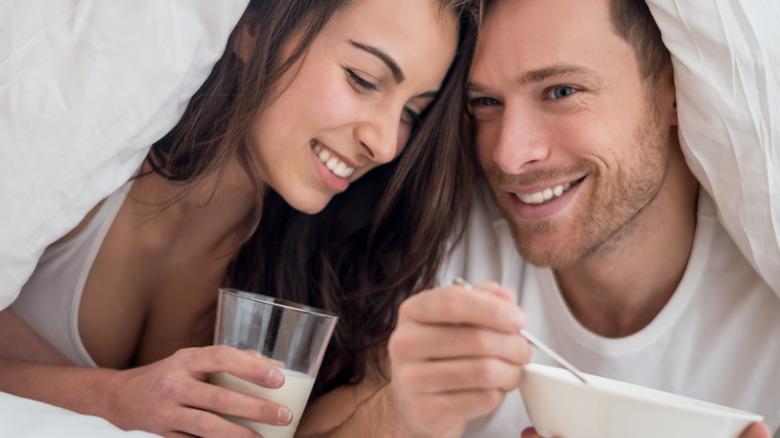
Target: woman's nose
380, 136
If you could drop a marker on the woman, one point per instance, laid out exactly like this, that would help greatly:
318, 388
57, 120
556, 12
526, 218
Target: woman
308, 98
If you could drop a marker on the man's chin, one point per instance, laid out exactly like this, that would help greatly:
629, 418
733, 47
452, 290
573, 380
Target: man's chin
546, 253
548, 260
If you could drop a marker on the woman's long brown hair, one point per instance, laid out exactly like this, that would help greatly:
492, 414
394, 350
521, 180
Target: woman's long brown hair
373, 245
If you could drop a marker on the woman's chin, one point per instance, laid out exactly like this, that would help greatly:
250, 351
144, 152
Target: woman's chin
310, 205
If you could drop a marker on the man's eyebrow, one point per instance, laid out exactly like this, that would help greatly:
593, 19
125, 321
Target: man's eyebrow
473, 87
398, 75
542, 74
552, 72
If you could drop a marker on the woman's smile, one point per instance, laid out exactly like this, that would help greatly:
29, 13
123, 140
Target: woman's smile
332, 161
352, 100
332, 169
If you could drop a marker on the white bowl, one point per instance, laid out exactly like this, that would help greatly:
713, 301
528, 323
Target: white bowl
559, 405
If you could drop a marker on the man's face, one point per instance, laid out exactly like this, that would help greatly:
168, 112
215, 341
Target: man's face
573, 141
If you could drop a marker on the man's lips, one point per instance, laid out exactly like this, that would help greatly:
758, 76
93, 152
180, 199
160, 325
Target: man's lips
544, 194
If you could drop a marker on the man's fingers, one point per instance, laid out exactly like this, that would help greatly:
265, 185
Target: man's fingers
496, 290
458, 305
756, 430
529, 432
415, 342
459, 375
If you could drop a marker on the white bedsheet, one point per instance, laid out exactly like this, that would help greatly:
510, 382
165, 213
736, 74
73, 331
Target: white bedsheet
85, 87
24, 418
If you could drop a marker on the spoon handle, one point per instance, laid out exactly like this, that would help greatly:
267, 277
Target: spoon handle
555, 356
537, 343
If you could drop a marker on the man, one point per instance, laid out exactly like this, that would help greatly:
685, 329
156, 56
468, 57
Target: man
625, 269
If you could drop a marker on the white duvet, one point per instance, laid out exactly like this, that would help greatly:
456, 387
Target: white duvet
726, 56
87, 86
23, 418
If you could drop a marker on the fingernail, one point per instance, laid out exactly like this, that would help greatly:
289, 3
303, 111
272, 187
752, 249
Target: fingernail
275, 377
285, 415
518, 320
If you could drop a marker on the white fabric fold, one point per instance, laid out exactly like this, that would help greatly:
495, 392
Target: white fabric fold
86, 86
726, 58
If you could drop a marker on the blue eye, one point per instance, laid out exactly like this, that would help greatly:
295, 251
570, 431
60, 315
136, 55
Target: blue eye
562, 91
484, 101
484, 108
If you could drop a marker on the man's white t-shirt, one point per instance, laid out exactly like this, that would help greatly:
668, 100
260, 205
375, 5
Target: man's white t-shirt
717, 339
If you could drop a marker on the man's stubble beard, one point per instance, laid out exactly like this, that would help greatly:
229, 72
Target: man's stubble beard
615, 206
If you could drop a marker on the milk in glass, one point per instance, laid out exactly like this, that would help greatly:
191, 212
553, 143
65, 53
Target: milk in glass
293, 394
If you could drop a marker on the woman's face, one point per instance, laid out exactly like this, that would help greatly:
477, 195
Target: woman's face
350, 103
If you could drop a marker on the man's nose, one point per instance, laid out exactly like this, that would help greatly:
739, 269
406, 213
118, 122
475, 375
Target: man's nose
521, 140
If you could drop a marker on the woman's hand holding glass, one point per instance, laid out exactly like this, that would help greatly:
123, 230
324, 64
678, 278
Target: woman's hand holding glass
172, 397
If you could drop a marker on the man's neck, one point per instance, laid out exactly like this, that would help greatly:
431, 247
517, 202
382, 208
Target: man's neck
625, 284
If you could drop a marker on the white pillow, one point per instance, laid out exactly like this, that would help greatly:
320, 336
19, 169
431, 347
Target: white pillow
726, 56
24, 418
85, 88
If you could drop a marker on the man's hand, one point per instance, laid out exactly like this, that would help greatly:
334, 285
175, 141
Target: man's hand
454, 354
755, 430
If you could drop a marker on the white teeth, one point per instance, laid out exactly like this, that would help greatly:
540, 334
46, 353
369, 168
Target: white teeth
336, 166
543, 196
324, 155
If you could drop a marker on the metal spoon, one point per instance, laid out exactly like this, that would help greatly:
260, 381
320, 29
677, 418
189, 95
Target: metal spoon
537, 343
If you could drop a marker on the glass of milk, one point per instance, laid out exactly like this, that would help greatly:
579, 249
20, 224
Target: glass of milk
291, 333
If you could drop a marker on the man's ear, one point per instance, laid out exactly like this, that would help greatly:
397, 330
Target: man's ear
668, 89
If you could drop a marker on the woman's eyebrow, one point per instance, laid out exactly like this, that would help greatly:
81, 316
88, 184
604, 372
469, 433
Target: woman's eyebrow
398, 75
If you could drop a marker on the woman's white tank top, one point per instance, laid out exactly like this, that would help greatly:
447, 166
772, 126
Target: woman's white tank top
49, 302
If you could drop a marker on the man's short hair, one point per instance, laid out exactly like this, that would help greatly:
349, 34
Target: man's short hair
634, 23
